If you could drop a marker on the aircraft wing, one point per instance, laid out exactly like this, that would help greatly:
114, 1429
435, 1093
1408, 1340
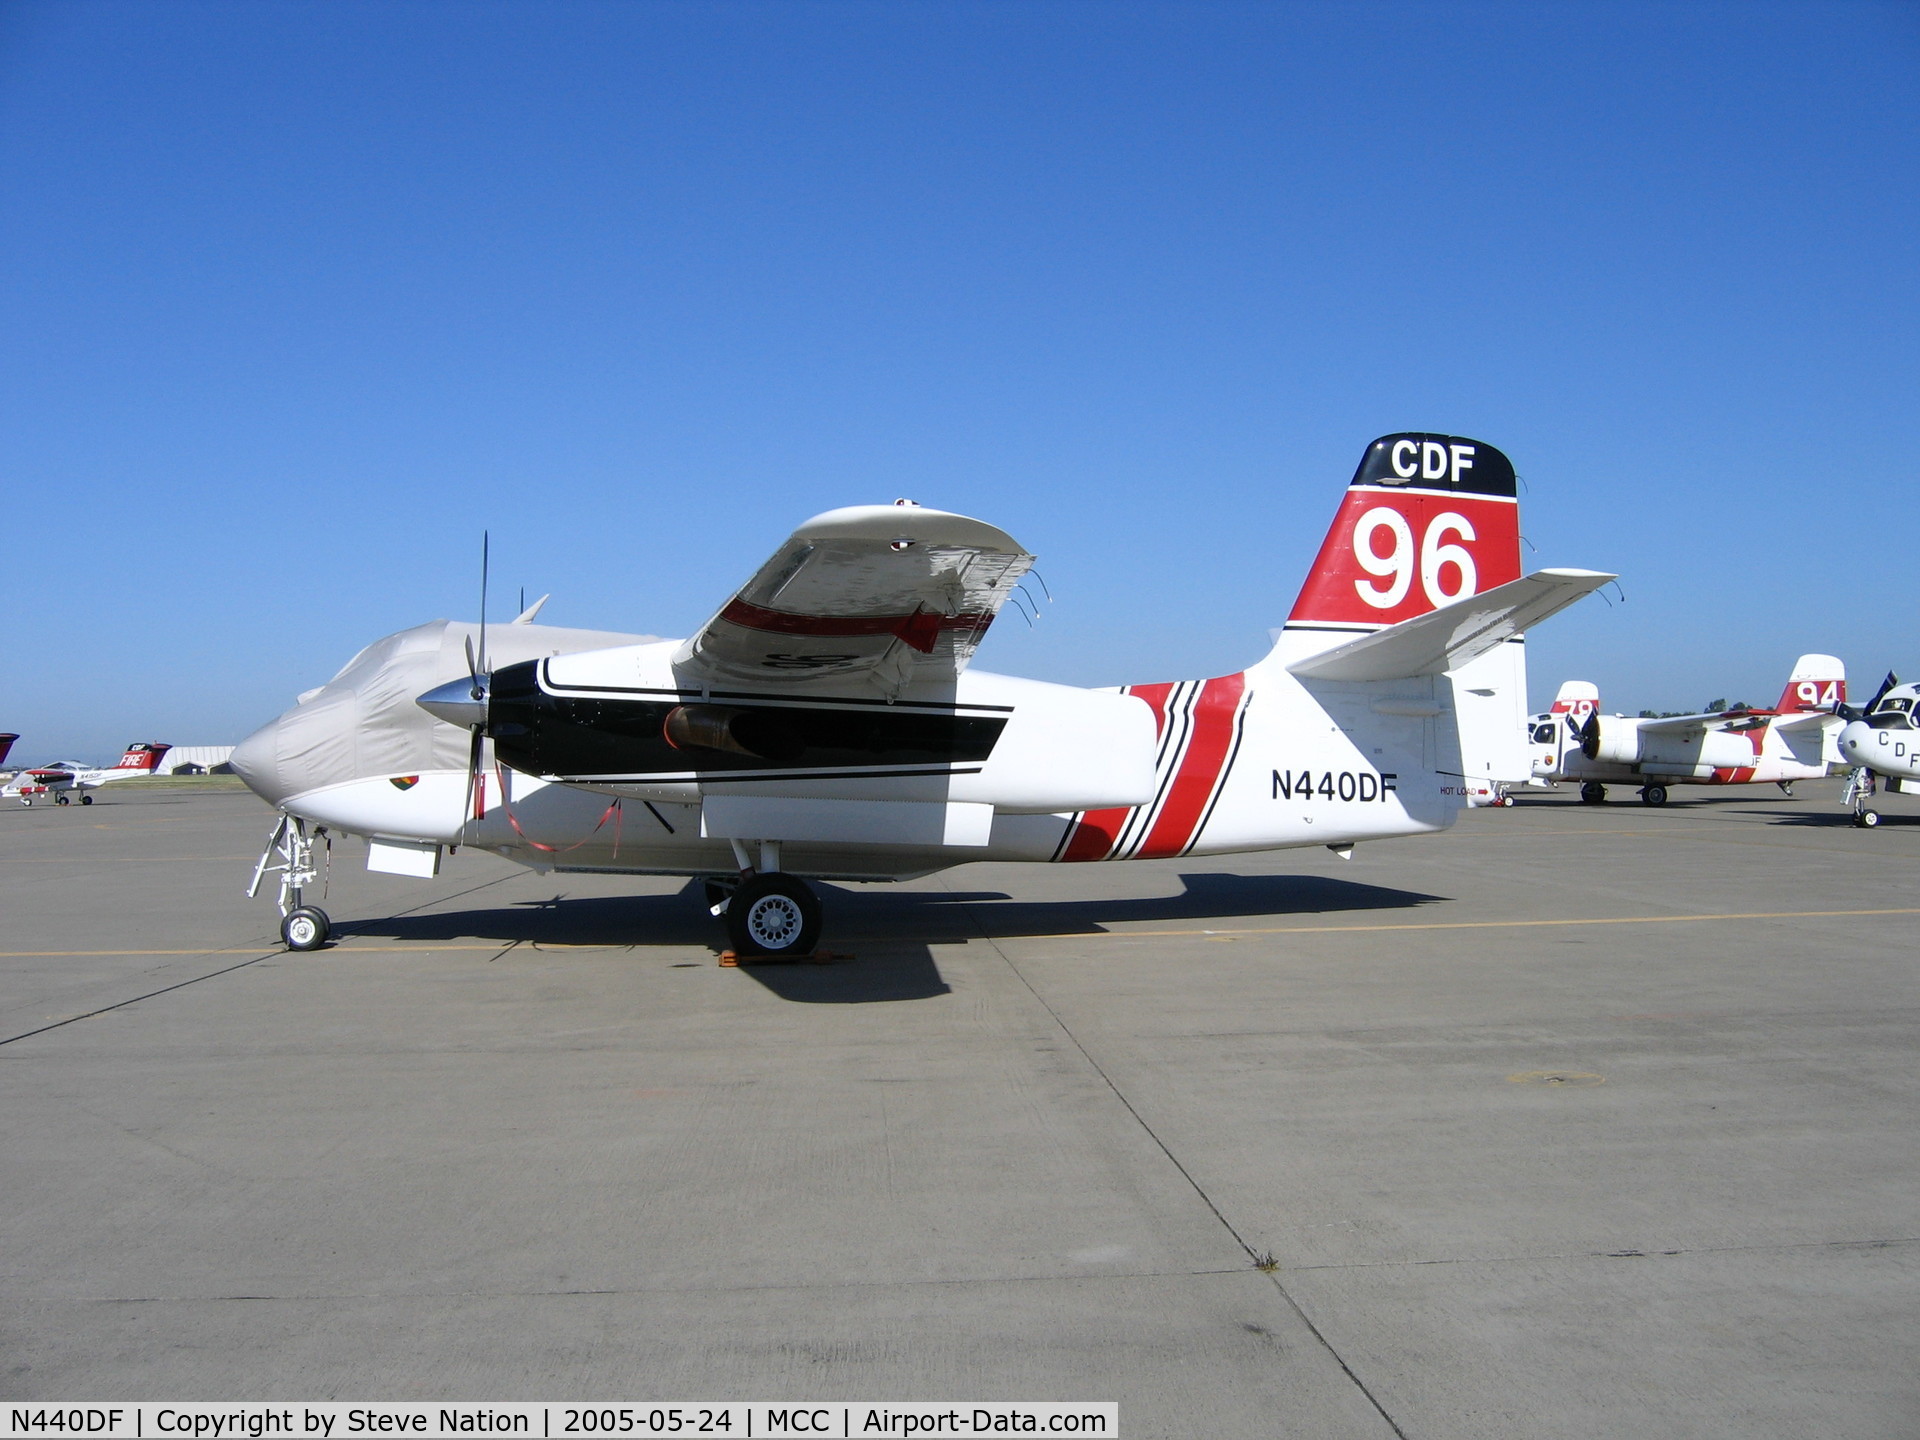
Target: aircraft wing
1712, 720
1449, 637
890, 594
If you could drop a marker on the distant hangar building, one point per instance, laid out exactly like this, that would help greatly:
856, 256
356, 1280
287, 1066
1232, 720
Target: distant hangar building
197, 760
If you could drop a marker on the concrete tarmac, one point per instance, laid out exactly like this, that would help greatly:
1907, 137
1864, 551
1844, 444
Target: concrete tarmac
1576, 1122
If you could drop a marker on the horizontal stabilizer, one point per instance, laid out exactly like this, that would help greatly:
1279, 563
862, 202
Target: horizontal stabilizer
1813, 720
1449, 637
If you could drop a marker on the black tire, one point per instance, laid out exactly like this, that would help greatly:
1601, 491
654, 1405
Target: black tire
86, 799
306, 928
1593, 793
1866, 819
61, 800
773, 915
1654, 795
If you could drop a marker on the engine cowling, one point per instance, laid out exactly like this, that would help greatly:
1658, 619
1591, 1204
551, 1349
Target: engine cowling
1611, 739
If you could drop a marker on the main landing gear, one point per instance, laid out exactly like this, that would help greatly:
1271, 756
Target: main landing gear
1653, 794
1593, 793
769, 915
290, 853
1859, 791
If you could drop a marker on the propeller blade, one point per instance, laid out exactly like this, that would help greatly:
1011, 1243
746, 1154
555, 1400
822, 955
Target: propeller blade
486, 539
1850, 712
473, 776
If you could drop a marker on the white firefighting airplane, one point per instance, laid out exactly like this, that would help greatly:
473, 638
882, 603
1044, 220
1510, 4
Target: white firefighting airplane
824, 723
1793, 741
1881, 741
61, 782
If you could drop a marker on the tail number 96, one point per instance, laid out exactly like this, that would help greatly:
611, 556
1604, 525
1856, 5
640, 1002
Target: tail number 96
1396, 565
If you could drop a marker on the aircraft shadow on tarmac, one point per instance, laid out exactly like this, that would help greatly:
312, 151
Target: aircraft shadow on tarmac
889, 930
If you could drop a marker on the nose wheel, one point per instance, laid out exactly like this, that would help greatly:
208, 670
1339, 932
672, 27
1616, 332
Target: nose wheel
306, 928
773, 915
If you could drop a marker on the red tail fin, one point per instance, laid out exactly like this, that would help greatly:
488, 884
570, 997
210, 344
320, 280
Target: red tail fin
1428, 519
1819, 682
142, 755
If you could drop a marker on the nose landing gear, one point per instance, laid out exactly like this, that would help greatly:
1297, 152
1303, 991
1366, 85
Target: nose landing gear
1858, 792
290, 853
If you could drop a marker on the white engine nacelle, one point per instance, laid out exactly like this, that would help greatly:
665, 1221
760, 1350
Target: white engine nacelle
1618, 740
1610, 739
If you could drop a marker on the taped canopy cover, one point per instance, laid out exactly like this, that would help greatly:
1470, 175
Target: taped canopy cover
364, 721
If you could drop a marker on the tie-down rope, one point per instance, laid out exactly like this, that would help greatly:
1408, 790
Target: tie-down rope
613, 812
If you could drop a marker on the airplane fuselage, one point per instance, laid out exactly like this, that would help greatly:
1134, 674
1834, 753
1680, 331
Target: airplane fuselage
580, 772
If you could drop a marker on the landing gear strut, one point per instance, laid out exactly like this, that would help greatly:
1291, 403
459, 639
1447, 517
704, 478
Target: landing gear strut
1593, 793
1858, 792
769, 915
290, 853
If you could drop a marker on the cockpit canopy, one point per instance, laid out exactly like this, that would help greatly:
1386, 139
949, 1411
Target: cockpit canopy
1895, 713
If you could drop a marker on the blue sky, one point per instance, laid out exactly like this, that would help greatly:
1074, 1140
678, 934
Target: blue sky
296, 299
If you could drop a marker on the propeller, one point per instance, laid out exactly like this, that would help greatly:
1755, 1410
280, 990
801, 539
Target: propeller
477, 680
464, 702
1849, 712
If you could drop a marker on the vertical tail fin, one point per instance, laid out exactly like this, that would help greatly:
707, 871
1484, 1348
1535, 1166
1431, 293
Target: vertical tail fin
6, 744
1577, 700
1427, 519
1818, 682
142, 755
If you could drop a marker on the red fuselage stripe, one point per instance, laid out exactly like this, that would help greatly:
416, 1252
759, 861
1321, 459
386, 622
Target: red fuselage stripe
1097, 831
1213, 716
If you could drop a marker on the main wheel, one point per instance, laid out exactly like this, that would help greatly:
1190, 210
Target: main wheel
773, 915
86, 799
1654, 795
306, 928
1866, 819
1593, 793
61, 800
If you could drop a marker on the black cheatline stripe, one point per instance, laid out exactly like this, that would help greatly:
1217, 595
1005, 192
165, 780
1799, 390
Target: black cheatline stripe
553, 687
737, 777
1173, 749
1220, 784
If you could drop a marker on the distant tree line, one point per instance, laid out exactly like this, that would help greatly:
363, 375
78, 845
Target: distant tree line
1711, 707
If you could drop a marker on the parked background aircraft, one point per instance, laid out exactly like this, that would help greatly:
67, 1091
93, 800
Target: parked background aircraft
1796, 740
63, 781
6, 744
1881, 742
825, 724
